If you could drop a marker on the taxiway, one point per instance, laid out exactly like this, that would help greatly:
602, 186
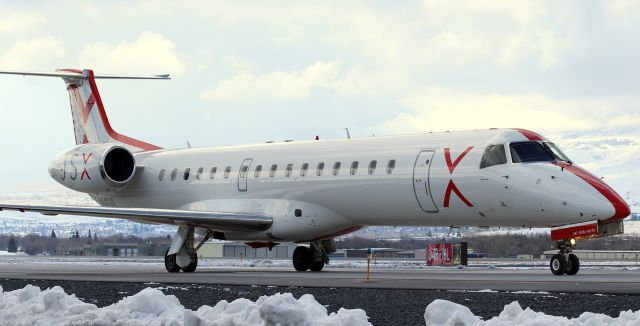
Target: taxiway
614, 281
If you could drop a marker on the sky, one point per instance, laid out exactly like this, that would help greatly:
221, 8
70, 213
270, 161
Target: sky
250, 72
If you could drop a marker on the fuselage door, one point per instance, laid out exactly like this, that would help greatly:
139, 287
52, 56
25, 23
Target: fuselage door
243, 174
421, 185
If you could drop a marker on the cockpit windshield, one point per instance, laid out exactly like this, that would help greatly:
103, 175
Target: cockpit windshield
533, 151
557, 152
530, 151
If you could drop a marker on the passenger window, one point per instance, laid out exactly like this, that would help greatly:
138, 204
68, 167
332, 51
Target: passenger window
320, 169
256, 173
272, 171
199, 173
336, 168
227, 171
287, 171
243, 171
212, 174
161, 176
372, 166
493, 155
185, 176
530, 151
174, 174
303, 170
390, 166
354, 168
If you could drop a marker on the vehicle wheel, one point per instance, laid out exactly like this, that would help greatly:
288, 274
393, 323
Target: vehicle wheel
301, 258
316, 266
170, 263
192, 265
558, 264
573, 265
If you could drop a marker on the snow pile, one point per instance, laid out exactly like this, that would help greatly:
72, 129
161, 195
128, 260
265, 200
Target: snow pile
12, 254
442, 312
32, 306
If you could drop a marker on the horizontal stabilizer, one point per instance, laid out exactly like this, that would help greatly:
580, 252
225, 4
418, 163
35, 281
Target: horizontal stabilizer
79, 74
223, 221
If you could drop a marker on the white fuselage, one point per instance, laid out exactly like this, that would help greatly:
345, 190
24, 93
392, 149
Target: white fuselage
436, 181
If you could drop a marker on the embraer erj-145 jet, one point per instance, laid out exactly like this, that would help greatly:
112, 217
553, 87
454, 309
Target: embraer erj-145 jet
314, 191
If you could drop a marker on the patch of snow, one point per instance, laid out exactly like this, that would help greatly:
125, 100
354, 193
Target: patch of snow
442, 312
475, 291
12, 254
529, 292
33, 306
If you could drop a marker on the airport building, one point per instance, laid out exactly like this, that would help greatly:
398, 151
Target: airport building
211, 249
119, 250
226, 249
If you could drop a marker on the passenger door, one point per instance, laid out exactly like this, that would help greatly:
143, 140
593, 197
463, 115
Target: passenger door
421, 187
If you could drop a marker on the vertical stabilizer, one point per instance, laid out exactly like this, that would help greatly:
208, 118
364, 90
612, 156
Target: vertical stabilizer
90, 122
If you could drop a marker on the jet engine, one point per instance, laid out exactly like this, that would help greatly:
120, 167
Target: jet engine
94, 168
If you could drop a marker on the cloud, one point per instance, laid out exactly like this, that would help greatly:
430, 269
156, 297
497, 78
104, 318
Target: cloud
20, 22
149, 53
623, 8
438, 109
275, 86
32, 54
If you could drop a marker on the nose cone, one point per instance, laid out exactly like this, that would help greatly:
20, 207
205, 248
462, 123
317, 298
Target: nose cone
620, 206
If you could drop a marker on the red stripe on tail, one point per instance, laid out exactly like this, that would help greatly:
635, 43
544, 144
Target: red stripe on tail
107, 126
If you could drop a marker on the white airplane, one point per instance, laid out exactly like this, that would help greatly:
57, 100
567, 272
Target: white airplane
314, 191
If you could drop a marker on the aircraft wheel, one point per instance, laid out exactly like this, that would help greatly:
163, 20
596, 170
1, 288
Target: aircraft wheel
573, 265
316, 266
301, 258
192, 265
170, 263
558, 264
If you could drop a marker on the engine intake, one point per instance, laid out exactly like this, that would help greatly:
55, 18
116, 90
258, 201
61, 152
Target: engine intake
94, 168
118, 166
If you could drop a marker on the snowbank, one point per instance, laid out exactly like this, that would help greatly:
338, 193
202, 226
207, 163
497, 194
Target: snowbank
446, 313
12, 254
33, 306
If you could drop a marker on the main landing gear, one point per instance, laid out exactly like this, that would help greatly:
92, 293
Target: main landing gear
313, 257
565, 262
183, 255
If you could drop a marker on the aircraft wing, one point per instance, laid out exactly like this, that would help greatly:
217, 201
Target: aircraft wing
224, 221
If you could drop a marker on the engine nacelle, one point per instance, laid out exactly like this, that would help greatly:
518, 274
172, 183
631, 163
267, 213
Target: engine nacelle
94, 168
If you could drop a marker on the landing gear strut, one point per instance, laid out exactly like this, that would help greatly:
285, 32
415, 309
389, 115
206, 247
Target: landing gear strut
183, 255
565, 262
313, 257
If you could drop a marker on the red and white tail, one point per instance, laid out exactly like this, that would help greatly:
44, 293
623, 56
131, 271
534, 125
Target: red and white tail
90, 122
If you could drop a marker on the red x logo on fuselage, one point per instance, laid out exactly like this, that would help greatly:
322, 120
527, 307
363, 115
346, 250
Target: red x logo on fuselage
451, 187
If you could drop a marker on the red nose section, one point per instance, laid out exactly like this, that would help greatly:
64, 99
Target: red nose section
621, 207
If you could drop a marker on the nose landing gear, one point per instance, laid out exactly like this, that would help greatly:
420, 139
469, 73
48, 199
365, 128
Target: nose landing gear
565, 262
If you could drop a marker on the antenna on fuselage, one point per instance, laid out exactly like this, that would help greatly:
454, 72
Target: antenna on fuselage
348, 134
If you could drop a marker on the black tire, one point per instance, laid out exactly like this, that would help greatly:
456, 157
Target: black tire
170, 263
316, 266
558, 264
573, 265
192, 265
301, 258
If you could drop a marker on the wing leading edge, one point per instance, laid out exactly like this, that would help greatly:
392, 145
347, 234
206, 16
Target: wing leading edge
224, 221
